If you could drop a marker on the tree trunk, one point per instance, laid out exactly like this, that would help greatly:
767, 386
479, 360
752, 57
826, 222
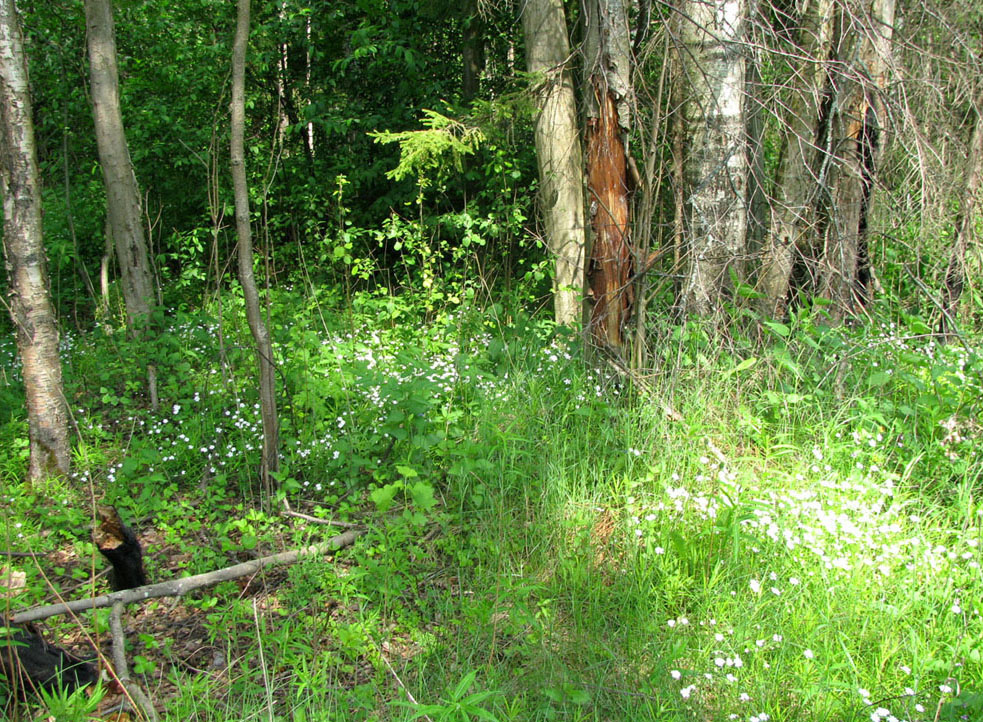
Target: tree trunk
955, 276
757, 197
793, 222
561, 194
608, 91
264, 348
712, 68
122, 193
857, 85
472, 52
27, 277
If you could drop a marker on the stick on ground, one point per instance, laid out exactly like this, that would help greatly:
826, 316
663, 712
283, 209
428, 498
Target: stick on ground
180, 587
135, 692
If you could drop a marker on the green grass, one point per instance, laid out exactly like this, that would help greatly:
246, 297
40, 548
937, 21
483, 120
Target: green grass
801, 541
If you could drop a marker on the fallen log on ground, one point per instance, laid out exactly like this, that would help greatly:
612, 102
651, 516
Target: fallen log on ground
180, 587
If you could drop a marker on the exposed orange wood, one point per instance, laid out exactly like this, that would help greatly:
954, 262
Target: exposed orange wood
609, 271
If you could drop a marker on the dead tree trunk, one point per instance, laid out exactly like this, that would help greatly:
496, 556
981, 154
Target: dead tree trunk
27, 277
955, 276
608, 91
561, 194
119, 544
793, 222
264, 348
857, 85
31, 664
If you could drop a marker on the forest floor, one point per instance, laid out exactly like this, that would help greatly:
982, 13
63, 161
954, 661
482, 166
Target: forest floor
799, 539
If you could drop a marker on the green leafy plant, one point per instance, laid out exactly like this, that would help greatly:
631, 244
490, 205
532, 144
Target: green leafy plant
459, 704
77, 705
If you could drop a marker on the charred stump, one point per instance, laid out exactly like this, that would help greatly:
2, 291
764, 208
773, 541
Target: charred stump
28, 662
119, 544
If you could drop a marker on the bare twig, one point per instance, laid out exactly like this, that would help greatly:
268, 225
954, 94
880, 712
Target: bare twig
409, 695
180, 587
318, 520
133, 690
262, 664
646, 388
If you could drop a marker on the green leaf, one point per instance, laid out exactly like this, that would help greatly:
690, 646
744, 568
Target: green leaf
578, 696
742, 366
422, 494
408, 471
778, 328
384, 495
464, 685
878, 378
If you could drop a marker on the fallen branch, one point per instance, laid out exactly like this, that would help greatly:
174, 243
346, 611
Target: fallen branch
180, 587
132, 689
319, 520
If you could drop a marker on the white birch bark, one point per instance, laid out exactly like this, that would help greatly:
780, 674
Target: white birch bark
30, 304
712, 70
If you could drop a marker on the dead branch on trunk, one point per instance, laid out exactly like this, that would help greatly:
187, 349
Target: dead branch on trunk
180, 587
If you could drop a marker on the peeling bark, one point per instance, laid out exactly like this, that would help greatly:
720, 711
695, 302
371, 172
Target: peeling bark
610, 260
27, 276
607, 50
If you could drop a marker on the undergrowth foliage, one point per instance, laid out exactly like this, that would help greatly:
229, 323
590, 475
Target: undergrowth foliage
800, 539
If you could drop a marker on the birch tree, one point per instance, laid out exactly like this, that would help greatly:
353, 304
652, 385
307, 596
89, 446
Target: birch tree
261, 337
30, 305
711, 70
558, 151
